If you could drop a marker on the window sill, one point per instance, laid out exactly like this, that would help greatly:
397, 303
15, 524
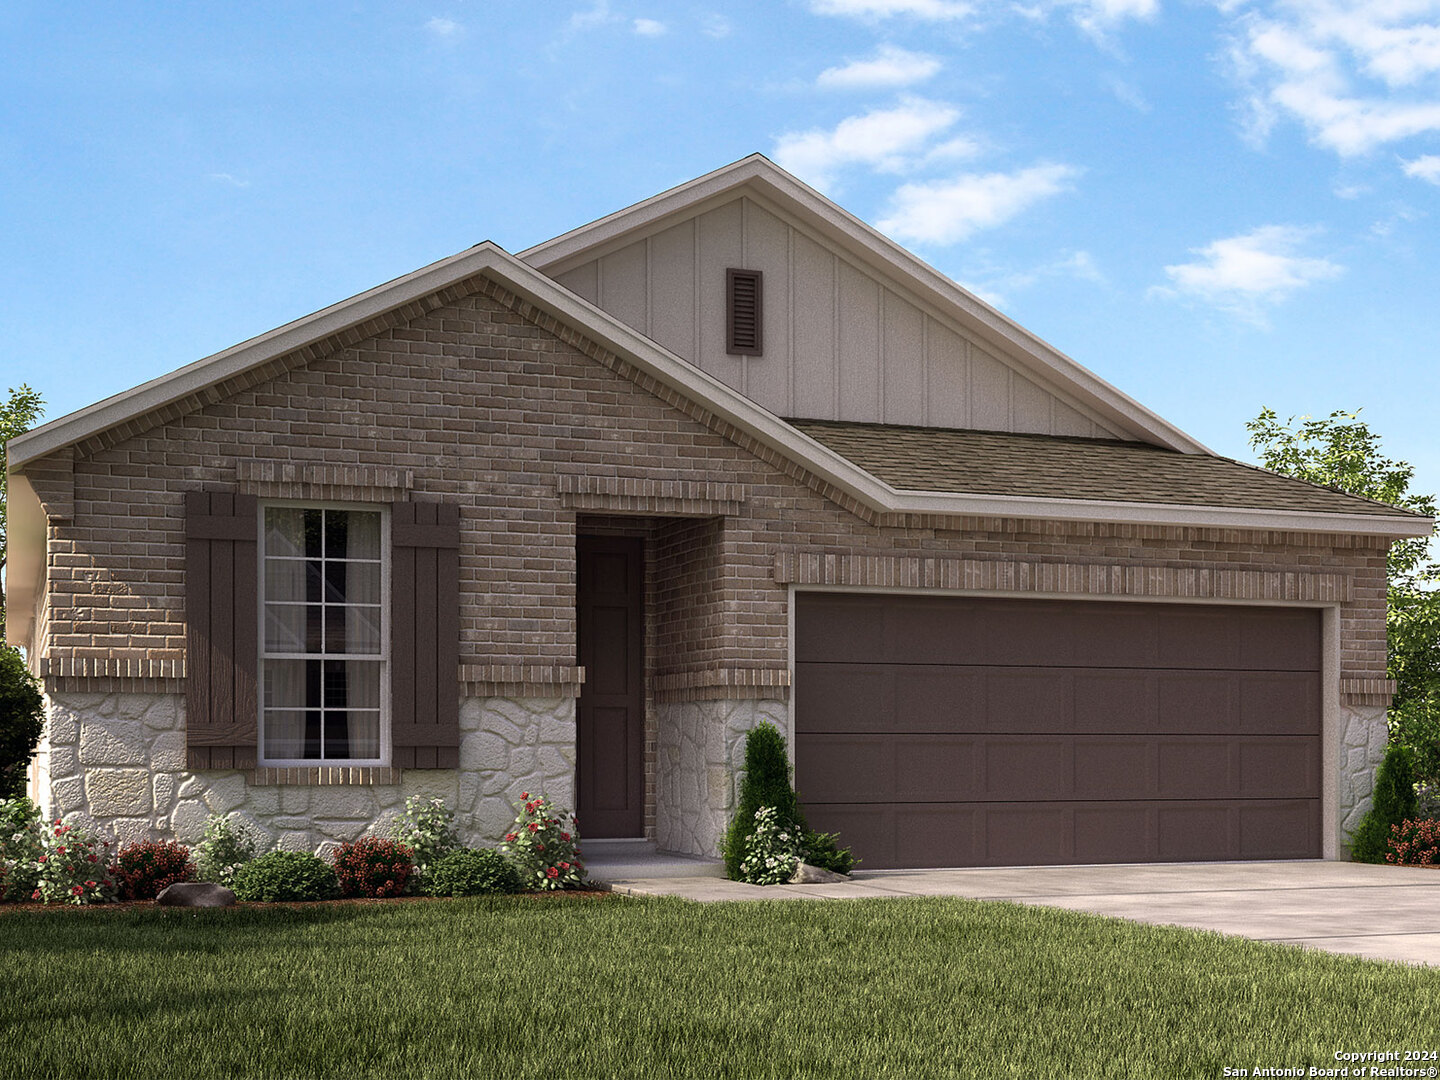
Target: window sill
325, 776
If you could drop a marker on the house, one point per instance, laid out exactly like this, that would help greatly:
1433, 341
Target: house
574, 520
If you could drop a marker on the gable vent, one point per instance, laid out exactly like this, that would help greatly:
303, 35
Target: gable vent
744, 308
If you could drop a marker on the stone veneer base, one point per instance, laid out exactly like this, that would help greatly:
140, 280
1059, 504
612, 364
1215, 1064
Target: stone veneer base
117, 762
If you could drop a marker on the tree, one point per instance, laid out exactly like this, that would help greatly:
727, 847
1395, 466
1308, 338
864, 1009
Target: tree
21, 706
1342, 452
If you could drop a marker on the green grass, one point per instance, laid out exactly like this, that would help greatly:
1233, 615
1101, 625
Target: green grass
521, 988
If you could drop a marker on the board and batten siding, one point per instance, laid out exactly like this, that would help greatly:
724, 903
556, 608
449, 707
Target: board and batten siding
840, 344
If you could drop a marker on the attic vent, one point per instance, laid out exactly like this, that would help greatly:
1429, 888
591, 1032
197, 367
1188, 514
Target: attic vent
744, 311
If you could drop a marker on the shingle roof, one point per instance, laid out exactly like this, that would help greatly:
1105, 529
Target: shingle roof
1064, 467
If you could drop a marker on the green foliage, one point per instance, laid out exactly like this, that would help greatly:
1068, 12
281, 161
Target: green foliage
428, 830
22, 717
286, 876
772, 850
1341, 452
766, 783
73, 868
1393, 802
473, 872
142, 870
544, 845
225, 848
372, 867
22, 842
823, 849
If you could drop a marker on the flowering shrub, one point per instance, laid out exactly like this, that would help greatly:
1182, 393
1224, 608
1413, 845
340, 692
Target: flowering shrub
286, 875
428, 830
73, 867
772, 850
1414, 843
22, 842
473, 872
372, 867
545, 851
142, 870
225, 848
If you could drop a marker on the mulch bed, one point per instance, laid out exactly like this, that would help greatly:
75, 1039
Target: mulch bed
558, 896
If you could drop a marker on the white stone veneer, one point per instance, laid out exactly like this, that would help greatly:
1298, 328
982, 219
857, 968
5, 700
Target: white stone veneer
117, 762
701, 757
1363, 735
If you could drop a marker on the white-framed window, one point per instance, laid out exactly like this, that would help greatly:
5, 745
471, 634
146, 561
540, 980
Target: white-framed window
324, 634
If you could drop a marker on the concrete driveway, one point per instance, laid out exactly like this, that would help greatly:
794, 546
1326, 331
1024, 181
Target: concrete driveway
1381, 912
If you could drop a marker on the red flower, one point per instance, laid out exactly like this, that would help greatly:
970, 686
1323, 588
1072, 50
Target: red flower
564, 866
94, 858
77, 890
565, 836
510, 838
61, 849
43, 858
90, 883
35, 895
539, 847
533, 826
523, 795
552, 872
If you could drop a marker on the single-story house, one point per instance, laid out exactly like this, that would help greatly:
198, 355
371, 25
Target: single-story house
574, 520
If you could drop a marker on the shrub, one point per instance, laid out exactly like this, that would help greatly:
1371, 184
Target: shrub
22, 842
22, 717
372, 867
286, 875
766, 783
1394, 802
823, 849
73, 868
142, 870
772, 850
1427, 800
428, 830
473, 872
1414, 843
225, 848
545, 851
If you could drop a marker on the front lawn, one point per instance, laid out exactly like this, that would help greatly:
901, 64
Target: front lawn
563, 986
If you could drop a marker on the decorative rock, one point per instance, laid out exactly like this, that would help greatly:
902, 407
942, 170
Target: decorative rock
118, 792
805, 874
195, 894
112, 742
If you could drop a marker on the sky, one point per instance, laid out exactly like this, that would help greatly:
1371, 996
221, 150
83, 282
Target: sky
1215, 206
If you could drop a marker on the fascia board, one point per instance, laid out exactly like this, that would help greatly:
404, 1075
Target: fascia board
868, 247
158, 392
25, 559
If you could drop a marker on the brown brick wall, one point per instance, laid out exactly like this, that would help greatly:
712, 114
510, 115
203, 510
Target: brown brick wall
485, 402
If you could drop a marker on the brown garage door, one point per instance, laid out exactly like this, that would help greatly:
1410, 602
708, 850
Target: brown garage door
942, 731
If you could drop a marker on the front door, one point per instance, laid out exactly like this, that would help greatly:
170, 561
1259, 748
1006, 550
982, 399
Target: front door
610, 779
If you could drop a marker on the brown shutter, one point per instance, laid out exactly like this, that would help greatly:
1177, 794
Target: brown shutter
425, 635
744, 308
221, 612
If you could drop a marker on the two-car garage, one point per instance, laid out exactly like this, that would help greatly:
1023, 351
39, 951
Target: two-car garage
976, 731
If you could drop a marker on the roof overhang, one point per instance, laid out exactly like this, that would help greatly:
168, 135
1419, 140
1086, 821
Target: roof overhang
25, 572
762, 179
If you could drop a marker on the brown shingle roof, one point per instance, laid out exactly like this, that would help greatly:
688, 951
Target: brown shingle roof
1064, 467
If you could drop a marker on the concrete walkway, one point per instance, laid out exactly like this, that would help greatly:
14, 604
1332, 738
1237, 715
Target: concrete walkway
1381, 912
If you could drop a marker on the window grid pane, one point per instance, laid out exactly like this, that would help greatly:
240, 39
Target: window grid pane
322, 645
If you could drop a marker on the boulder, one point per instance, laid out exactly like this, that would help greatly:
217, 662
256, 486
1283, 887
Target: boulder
805, 874
195, 894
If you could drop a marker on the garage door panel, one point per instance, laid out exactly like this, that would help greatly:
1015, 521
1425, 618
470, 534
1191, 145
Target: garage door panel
1059, 731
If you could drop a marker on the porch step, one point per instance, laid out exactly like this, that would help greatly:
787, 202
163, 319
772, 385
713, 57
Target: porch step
630, 860
621, 848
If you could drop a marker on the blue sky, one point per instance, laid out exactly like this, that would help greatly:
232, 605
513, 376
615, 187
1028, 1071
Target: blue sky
1214, 206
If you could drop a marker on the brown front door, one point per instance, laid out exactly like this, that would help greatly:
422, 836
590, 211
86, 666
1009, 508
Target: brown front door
610, 781
940, 731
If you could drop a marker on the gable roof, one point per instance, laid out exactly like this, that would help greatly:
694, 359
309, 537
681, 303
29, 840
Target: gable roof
1071, 467
759, 178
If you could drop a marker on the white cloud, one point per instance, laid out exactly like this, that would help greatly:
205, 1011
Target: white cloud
1356, 74
1243, 274
888, 140
226, 178
443, 27
948, 211
715, 26
1098, 17
649, 27
1426, 167
890, 66
995, 285
882, 9
598, 14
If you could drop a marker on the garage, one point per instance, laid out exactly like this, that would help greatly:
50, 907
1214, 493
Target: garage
949, 731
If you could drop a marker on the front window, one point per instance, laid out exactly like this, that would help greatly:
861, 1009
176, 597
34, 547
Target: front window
322, 657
